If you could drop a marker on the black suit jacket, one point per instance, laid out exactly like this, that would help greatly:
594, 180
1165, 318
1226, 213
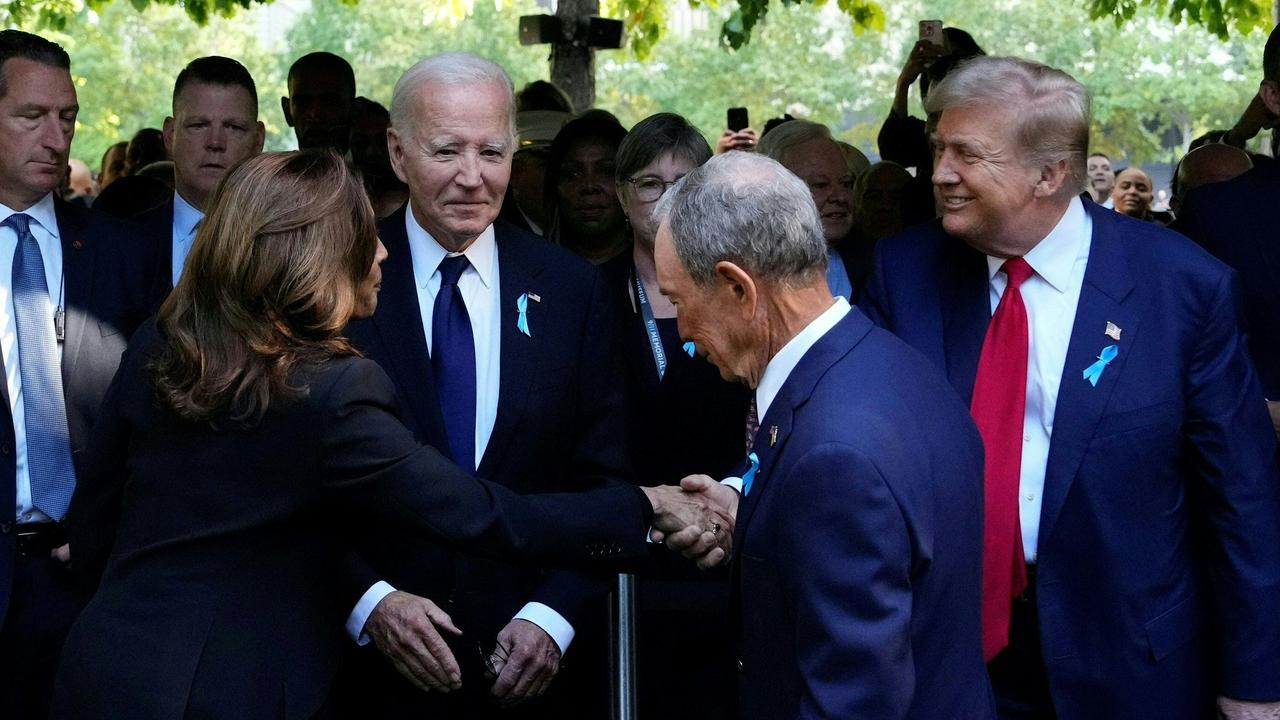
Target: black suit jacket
107, 297
219, 597
157, 229
1235, 221
560, 424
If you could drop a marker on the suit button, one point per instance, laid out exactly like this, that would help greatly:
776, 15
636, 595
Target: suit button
7, 449
6, 528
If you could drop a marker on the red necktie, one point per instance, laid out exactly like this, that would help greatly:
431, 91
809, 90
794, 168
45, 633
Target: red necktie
999, 404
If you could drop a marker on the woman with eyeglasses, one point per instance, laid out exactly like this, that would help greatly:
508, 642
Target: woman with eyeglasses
682, 419
243, 444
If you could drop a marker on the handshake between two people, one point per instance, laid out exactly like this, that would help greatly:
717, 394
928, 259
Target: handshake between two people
695, 519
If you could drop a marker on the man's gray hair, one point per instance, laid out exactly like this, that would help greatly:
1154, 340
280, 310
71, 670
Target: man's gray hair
789, 134
746, 209
449, 68
1051, 108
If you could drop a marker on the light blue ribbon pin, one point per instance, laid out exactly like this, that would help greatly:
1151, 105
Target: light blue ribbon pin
522, 320
690, 348
1094, 371
749, 476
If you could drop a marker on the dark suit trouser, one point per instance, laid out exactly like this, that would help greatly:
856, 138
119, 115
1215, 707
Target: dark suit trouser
1018, 676
42, 606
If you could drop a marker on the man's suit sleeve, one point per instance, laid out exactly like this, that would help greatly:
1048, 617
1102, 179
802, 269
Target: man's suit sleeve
1235, 450
846, 560
599, 447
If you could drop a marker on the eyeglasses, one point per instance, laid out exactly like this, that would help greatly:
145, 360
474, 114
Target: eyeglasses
649, 188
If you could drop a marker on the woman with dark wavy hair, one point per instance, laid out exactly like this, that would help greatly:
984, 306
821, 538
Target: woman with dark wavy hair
241, 442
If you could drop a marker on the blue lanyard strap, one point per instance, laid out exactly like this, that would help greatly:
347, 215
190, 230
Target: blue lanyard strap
651, 327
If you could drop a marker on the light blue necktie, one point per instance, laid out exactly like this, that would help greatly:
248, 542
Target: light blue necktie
49, 465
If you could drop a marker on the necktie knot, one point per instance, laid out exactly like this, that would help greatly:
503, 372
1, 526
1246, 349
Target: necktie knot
1018, 271
20, 222
451, 268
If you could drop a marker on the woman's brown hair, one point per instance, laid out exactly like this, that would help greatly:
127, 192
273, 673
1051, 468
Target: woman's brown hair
269, 285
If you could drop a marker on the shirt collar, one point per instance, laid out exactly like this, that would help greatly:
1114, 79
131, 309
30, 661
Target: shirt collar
781, 365
428, 252
185, 217
1054, 257
43, 213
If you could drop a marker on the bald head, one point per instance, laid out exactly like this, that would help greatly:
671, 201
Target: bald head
1211, 163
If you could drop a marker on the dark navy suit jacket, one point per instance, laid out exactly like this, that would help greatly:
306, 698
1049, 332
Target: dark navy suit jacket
1236, 222
859, 545
106, 274
1159, 548
560, 424
157, 228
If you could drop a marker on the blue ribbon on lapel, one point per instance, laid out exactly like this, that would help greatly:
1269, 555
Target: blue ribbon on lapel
522, 320
1094, 371
749, 476
690, 348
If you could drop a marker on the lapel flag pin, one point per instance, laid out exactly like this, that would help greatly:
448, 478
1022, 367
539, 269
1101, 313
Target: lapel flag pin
1094, 372
534, 297
1113, 331
773, 435
522, 317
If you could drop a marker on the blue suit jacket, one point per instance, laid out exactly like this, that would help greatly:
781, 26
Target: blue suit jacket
1159, 549
108, 296
1228, 219
859, 545
560, 424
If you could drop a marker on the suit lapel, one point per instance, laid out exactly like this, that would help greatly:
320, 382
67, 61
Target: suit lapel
1108, 282
77, 284
795, 392
518, 271
966, 309
398, 321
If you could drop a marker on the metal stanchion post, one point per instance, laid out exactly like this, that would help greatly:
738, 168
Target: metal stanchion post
624, 649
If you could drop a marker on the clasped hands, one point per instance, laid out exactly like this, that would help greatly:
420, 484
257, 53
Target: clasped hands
695, 519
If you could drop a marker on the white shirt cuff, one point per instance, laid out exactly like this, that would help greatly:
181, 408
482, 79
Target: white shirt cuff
363, 609
733, 482
551, 622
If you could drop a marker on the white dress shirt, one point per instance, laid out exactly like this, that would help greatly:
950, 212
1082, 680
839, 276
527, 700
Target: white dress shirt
44, 227
185, 219
1050, 295
780, 365
480, 291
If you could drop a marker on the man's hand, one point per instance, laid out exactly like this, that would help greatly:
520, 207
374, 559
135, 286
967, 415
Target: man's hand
526, 660
62, 553
1230, 709
1273, 407
744, 139
403, 626
1256, 118
696, 520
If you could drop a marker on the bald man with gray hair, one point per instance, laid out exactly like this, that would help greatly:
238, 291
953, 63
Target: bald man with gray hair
502, 346
859, 503
809, 151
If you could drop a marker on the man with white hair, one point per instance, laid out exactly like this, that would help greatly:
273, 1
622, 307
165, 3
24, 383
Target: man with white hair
1132, 516
502, 347
859, 524
808, 150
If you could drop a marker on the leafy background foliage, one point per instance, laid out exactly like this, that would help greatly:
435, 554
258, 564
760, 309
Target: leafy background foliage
1156, 83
